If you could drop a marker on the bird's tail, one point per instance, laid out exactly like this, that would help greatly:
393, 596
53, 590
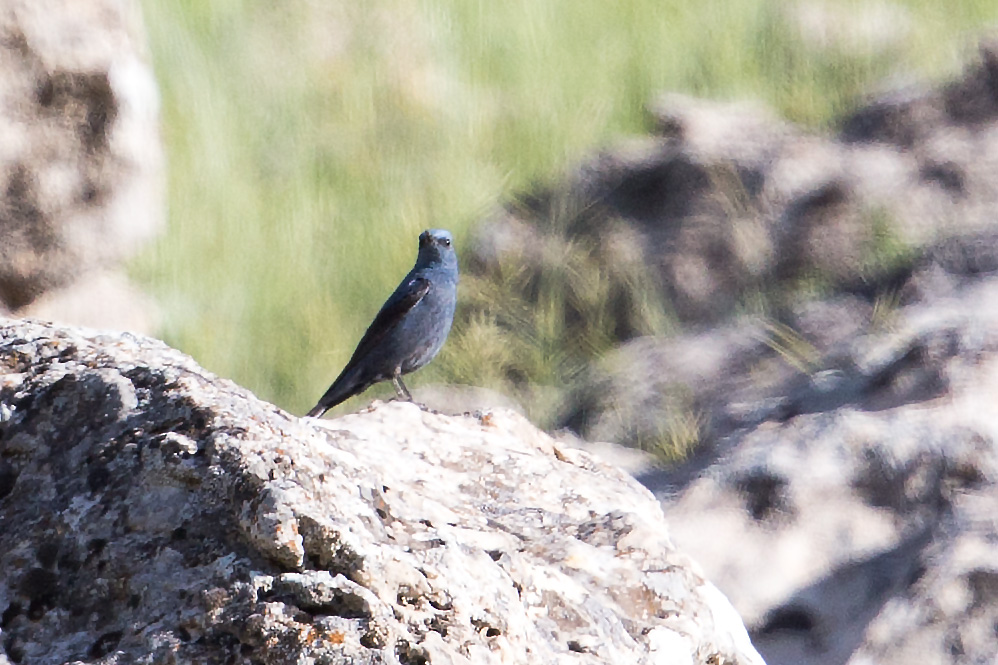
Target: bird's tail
317, 411
343, 388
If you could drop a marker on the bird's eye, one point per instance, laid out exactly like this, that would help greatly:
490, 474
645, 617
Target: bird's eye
447, 242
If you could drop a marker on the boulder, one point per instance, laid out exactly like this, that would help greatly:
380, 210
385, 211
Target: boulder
152, 512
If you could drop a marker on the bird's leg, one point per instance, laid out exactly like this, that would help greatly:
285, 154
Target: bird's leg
400, 389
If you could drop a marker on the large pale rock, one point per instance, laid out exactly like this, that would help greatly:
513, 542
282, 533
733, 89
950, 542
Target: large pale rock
152, 512
80, 160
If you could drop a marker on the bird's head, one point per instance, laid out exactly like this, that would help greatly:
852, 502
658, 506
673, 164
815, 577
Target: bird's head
436, 246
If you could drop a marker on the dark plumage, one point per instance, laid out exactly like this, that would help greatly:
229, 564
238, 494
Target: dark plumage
410, 328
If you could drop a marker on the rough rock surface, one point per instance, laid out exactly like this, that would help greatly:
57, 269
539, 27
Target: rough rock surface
151, 512
80, 160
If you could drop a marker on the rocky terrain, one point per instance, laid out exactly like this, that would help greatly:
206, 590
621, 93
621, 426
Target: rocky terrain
80, 161
151, 512
844, 501
727, 211
830, 370
857, 504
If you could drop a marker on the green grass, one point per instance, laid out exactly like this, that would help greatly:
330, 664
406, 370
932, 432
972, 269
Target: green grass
310, 142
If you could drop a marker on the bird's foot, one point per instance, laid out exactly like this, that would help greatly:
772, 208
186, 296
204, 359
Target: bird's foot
400, 390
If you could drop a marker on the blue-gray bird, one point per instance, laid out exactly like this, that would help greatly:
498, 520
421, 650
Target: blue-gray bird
410, 328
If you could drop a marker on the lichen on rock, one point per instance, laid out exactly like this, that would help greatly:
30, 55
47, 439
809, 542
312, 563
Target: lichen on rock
152, 512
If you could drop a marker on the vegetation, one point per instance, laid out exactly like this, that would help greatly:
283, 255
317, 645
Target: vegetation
310, 142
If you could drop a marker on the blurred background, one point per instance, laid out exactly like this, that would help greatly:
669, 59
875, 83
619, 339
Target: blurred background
753, 242
308, 143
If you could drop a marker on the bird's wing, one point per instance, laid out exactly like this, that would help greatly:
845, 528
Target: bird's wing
401, 302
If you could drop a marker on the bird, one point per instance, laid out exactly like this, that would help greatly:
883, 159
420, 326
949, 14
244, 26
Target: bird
410, 329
